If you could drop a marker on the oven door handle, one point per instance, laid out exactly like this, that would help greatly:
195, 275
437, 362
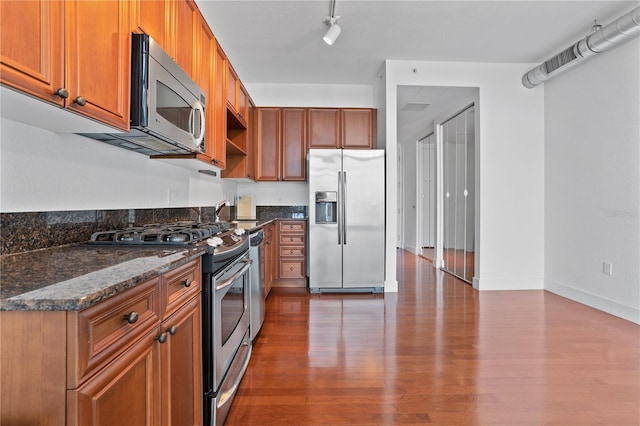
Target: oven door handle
226, 283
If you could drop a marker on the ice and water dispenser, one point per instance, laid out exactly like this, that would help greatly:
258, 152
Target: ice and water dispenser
326, 207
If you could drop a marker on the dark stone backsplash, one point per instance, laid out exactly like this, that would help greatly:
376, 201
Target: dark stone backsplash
281, 212
21, 232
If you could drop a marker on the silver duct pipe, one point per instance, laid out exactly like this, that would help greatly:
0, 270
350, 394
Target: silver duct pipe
622, 29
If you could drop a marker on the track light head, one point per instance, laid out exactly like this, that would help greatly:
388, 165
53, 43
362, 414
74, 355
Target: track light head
334, 30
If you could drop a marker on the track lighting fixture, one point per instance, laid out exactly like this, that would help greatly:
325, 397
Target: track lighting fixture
334, 29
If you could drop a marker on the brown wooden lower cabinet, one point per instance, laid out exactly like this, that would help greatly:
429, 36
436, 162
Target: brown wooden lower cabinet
269, 257
291, 254
133, 359
125, 392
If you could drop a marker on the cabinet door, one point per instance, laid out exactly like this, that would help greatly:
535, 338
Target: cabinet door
31, 47
126, 392
205, 58
98, 60
151, 17
243, 103
324, 126
219, 109
294, 144
358, 128
251, 141
269, 258
181, 371
268, 144
232, 88
185, 30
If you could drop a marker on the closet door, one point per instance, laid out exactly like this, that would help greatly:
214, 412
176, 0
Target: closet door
460, 191
449, 184
459, 199
470, 197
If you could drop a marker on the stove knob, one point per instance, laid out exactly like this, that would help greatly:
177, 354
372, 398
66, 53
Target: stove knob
239, 231
214, 242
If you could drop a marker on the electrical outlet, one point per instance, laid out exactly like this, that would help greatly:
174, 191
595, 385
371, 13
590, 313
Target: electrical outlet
172, 196
607, 268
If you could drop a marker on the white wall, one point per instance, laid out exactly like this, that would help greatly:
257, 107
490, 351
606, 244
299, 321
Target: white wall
311, 95
592, 182
509, 220
46, 171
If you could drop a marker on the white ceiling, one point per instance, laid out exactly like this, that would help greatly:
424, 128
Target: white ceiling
281, 41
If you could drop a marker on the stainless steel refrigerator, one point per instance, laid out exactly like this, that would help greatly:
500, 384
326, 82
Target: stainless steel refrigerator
346, 220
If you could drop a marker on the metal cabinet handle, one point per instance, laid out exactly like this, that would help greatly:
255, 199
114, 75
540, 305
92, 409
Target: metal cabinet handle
291, 269
62, 92
131, 318
172, 330
162, 338
80, 101
291, 251
187, 282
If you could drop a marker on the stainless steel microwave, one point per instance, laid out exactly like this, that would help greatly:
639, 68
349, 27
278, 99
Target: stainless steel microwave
167, 106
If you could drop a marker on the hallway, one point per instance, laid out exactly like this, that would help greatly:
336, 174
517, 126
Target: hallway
439, 352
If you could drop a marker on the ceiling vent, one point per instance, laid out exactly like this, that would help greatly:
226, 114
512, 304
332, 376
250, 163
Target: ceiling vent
600, 40
414, 106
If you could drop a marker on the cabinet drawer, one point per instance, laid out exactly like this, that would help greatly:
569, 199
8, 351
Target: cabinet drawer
291, 226
292, 251
105, 330
291, 239
179, 285
292, 269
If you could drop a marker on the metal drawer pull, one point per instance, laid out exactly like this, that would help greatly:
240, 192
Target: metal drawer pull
162, 338
80, 101
187, 282
172, 330
131, 318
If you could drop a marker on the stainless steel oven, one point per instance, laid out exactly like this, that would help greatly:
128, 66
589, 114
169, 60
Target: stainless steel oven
226, 338
226, 342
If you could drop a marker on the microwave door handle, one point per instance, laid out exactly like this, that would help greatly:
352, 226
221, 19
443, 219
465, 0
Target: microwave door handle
198, 107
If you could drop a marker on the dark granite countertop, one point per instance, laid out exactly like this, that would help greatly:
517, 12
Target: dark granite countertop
77, 276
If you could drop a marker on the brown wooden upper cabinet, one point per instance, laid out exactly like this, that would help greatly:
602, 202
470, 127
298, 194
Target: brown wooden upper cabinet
324, 127
237, 97
268, 144
349, 128
204, 58
219, 109
153, 17
281, 144
59, 52
357, 128
294, 145
185, 21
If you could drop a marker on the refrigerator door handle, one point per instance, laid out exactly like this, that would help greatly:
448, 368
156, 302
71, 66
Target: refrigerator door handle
339, 212
344, 208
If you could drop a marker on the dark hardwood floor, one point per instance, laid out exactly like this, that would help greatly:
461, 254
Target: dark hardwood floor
438, 352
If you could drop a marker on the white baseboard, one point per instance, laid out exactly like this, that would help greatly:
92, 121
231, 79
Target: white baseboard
617, 309
391, 286
514, 283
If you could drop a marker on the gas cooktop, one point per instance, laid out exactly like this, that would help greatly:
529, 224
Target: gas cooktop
179, 233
